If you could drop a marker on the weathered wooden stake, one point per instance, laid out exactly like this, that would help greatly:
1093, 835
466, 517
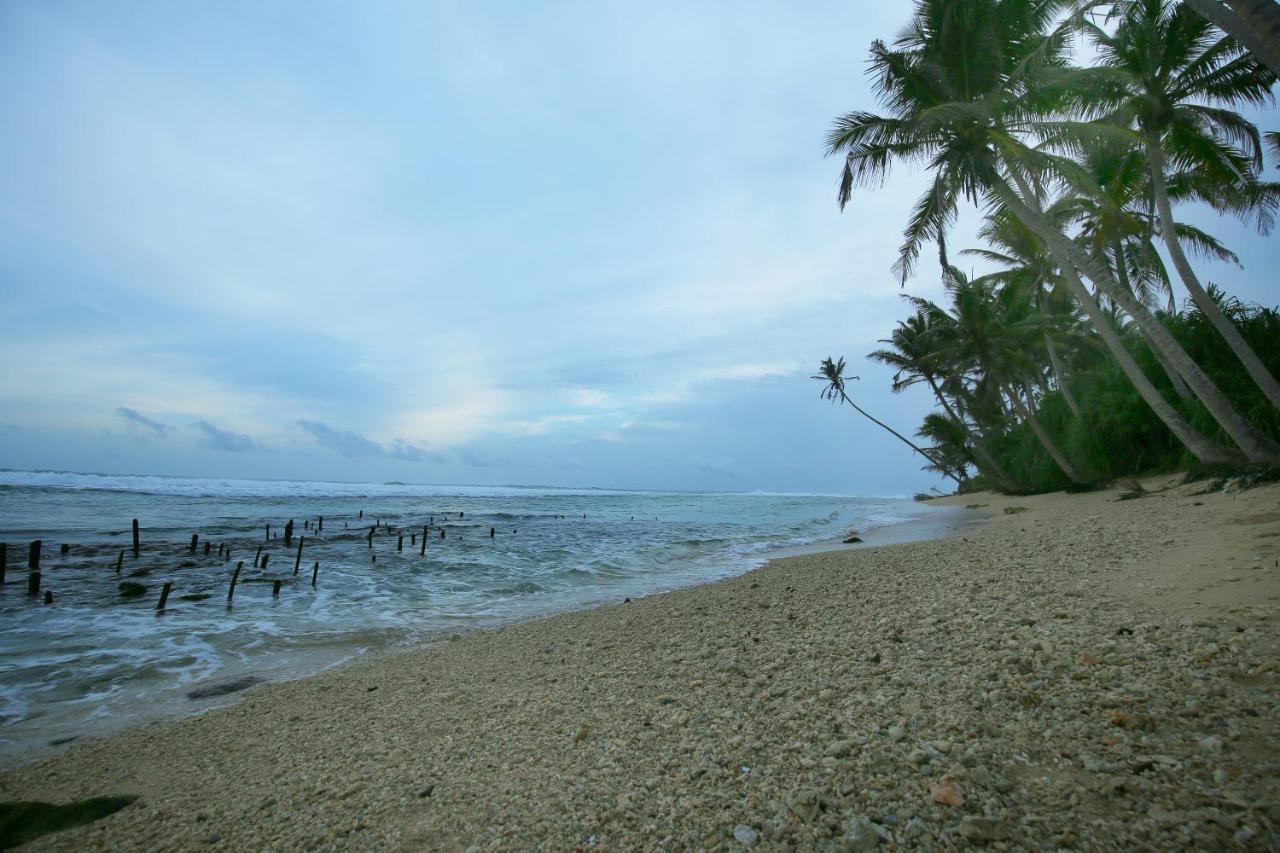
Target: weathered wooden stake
400, 543
4, 560
33, 584
362, 513
64, 549
119, 562
320, 524
195, 538
298, 562
48, 596
441, 532
235, 576
275, 588
268, 533
257, 557
136, 540
33, 556
315, 572
492, 532
423, 552
208, 545
370, 536
265, 557
164, 595
288, 534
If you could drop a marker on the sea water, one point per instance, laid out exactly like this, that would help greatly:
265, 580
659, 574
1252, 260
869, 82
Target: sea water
95, 661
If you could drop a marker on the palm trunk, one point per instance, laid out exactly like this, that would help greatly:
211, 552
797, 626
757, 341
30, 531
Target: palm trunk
896, 434
1060, 376
1024, 409
1253, 23
1211, 310
1256, 446
1179, 386
976, 442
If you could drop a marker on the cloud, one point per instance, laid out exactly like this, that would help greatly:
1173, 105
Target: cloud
216, 438
354, 445
139, 422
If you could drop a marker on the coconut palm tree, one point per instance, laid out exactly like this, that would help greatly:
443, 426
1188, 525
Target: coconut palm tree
963, 88
1167, 63
909, 350
1254, 23
832, 373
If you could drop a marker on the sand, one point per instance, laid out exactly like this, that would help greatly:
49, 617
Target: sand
1083, 673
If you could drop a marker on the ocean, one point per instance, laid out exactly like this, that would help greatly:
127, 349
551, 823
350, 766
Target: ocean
95, 661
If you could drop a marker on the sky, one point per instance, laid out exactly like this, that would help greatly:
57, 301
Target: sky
564, 243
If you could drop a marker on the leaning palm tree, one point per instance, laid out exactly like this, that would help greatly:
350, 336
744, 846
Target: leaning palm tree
832, 373
964, 88
1167, 64
910, 351
1254, 23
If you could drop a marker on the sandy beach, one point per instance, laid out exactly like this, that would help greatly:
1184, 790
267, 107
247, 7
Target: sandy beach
1068, 671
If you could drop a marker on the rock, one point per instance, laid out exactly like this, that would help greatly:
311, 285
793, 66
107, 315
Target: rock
745, 835
805, 803
897, 733
861, 834
982, 829
583, 732
839, 749
1212, 743
224, 688
947, 792
853, 540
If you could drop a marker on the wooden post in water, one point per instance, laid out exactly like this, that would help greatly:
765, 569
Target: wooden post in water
33, 556
64, 549
492, 532
362, 513
235, 576
119, 562
257, 557
320, 524
195, 538
48, 596
136, 540
315, 572
298, 561
268, 539
288, 534
370, 536
441, 532
164, 596
275, 588
208, 545
4, 560
33, 584
265, 557
400, 543
423, 552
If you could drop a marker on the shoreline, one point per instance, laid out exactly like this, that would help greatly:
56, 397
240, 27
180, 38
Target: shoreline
175, 705
1010, 684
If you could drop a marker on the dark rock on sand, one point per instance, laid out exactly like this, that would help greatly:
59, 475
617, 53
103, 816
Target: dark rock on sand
22, 821
224, 688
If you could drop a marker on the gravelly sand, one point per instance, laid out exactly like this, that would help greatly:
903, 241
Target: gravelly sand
1085, 674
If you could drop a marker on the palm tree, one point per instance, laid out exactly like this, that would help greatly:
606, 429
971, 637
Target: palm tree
909, 350
832, 372
1254, 23
991, 335
961, 86
1166, 61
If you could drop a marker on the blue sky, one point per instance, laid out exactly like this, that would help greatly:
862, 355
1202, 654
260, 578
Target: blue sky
559, 243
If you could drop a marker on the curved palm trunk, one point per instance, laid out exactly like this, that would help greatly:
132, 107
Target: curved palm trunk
1060, 376
1253, 23
1023, 408
977, 442
1179, 386
1200, 446
1256, 446
1211, 310
884, 426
